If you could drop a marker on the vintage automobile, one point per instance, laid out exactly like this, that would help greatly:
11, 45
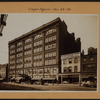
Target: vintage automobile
12, 79
89, 84
23, 78
65, 82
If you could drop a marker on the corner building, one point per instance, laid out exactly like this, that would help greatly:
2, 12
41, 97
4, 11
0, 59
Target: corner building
38, 52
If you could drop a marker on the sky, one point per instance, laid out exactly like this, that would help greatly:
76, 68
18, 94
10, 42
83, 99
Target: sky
84, 26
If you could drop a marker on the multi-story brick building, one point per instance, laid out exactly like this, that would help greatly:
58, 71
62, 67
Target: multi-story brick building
38, 52
89, 64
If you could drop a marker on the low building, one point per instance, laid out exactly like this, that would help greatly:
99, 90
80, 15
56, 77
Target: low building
4, 72
77, 67
89, 65
70, 68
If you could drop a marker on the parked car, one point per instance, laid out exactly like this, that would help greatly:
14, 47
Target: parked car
12, 79
89, 84
65, 82
38, 82
18, 79
23, 78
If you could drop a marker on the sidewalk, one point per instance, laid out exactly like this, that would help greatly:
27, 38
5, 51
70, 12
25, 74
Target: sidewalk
49, 87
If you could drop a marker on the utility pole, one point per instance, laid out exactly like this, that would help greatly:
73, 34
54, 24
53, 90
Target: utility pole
3, 18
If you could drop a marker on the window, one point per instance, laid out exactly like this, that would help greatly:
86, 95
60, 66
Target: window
12, 46
28, 40
19, 44
84, 59
76, 60
75, 68
54, 53
69, 69
54, 45
54, 38
55, 71
54, 61
51, 31
70, 60
65, 61
91, 58
38, 36
46, 62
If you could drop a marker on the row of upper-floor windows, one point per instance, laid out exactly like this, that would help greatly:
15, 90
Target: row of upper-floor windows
38, 36
38, 43
12, 62
19, 55
49, 39
12, 72
50, 31
39, 49
38, 63
50, 46
19, 49
27, 52
12, 67
50, 54
12, 51
69, 69
90, 58
71, 60
19, 66
37, 57
89, 67
47, 47
28, 46
26, 65
27, 59
50, 61
19, 61
45, 70
35, 37
12, 56
28, 40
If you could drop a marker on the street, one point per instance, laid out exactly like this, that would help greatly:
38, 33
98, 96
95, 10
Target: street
49, 87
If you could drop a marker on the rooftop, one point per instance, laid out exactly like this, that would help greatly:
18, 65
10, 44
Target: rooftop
35, 30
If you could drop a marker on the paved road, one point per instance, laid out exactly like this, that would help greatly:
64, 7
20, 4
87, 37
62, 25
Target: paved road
50, 87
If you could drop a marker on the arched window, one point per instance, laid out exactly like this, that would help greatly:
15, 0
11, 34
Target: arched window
12, 46
19, 44
51, 31
28, 40
38, 36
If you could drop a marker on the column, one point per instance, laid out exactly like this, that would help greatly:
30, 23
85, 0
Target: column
23, 55
80, 79
32, 54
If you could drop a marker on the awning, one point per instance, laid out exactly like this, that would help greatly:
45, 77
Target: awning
48, 78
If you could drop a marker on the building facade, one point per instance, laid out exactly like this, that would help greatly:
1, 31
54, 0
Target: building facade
71, 67
89, 65
38, 52
4, 72
77, 67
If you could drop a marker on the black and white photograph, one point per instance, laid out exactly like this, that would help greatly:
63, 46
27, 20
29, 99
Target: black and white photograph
48, 52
